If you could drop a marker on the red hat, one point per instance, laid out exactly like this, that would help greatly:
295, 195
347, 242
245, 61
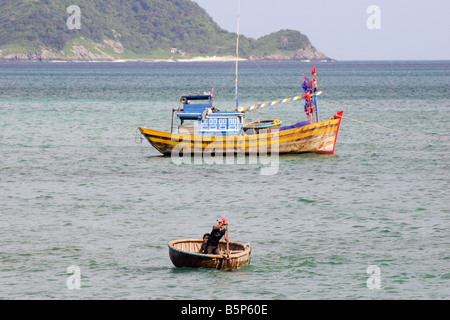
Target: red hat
223, 219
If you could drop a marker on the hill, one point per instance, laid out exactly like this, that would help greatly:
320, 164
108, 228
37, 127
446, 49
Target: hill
133, 29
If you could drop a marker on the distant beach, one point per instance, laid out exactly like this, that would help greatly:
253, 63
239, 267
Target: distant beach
194, 59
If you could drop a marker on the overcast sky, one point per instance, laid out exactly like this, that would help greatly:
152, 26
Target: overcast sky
403, 29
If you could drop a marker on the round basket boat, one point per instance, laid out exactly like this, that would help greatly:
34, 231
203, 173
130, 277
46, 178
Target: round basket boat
262, 126
185, 253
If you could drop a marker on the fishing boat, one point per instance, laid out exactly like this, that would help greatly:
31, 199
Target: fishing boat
227, 133
202, 129
185, 253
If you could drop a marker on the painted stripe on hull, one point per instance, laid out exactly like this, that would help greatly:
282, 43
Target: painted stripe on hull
317, 138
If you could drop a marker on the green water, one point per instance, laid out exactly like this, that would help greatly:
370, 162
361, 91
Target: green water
76, 188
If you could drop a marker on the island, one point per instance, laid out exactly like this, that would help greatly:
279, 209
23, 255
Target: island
134, 30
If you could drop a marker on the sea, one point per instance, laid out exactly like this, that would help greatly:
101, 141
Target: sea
87, 207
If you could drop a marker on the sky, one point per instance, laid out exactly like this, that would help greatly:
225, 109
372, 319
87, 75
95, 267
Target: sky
347, 29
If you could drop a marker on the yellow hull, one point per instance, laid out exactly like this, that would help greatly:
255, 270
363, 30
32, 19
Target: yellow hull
318, 137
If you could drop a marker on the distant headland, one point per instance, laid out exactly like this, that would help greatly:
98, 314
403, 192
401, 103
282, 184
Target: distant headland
136, 30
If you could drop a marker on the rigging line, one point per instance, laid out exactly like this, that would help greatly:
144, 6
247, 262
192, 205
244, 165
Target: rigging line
267, 76
223, 84
237, 54
402, 131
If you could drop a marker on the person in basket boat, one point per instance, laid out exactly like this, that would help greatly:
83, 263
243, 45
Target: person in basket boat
204, 243
216, 234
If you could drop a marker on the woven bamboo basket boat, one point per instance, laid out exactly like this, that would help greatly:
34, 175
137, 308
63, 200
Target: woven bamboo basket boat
185, 253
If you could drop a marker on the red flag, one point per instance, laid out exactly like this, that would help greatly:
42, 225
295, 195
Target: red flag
313, 71
307, 95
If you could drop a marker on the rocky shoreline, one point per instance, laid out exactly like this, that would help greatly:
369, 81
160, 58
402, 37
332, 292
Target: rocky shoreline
35, 57
81, 54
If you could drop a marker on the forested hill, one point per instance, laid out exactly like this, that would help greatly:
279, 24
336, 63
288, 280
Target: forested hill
131, 29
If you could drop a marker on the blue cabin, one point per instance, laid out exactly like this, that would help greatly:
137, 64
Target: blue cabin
198, 117
194, 106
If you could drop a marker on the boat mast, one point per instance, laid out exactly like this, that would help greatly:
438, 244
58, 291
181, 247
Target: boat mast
237, 55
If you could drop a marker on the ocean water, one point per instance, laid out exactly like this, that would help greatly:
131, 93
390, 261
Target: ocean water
79, 190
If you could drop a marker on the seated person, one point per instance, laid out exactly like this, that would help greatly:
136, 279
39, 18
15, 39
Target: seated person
204, 243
